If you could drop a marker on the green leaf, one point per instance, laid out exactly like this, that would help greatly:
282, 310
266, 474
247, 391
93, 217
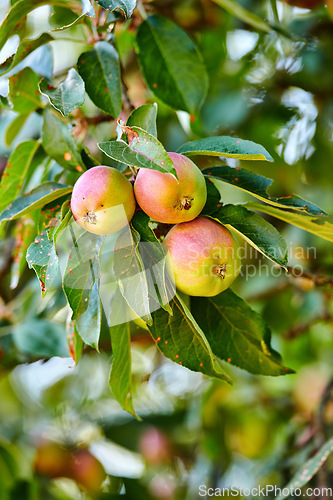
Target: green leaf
130, 273
255, 230
14, 128
125, 6
213, 198
59, 143
82, 270
237, 334
37, 198
257, 185
15, 172
147, 145
144, 117
309, 469
74, 341
153, 255
66, 219
4, 103
228, 147
23, 91
88, 324
121, 375
25, 48
68, 95
42, 258
244, 15
41, 338
87, 10
180, 338
120, 151
24, 234
100, 70
15, 15
321, 225
171, 64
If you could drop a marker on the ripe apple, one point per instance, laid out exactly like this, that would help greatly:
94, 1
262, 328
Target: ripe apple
203, 255
167, 200
103, 200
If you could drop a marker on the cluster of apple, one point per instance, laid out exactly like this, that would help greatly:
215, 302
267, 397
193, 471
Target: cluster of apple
202, 252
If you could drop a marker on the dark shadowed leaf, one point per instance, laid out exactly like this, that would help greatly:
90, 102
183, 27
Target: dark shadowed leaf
120, 151
68, 95
255, 230
180, 338
121, 372
228, 147
144, 117
88, 324
37, 198
125, 6
171, 64
23, 91
257, 185
100, 71
213, 198
15, 172
237, 334
42, 258
322, 225
59, 143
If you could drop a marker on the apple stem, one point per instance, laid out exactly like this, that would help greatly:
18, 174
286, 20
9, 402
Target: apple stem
91, 218
186, 203
220, 270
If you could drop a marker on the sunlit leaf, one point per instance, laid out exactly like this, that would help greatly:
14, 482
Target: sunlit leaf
228, 147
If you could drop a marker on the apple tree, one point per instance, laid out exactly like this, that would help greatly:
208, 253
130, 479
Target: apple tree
136, 192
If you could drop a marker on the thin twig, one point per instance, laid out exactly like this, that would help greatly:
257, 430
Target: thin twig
318, 280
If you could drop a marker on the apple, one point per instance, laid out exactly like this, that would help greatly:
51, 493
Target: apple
86, 470
52, 460
167, 200
155, 447
203, 256
103, 200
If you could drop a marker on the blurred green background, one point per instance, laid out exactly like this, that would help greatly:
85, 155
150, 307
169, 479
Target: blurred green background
62, 435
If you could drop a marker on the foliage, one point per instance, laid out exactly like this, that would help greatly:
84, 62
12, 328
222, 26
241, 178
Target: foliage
244, 90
